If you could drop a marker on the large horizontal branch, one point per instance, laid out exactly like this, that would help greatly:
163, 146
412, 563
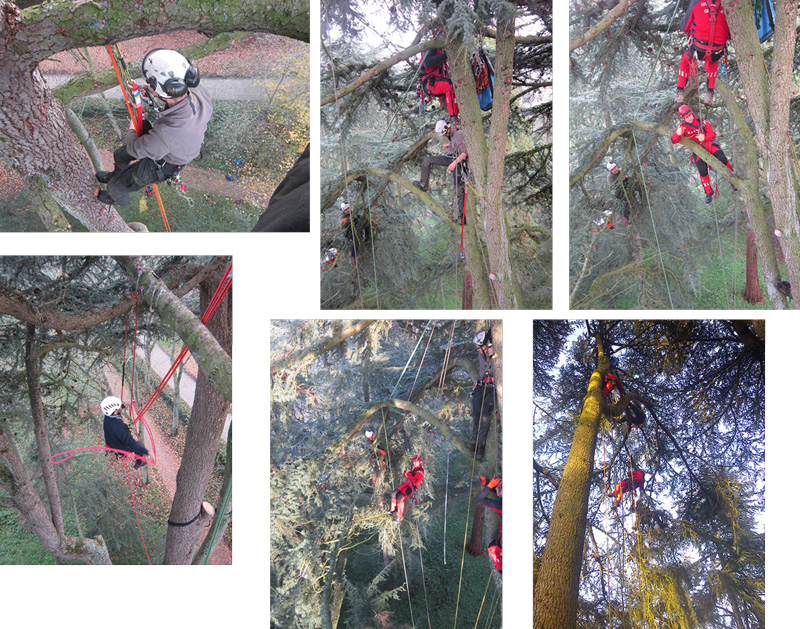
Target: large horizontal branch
88, 84
522, 39
342, 331
14, 304
382, 67
427, 199
613, 134
602, 25
53, 27
211, 358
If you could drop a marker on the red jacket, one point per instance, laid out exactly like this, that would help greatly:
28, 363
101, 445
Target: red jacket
698, 23
691, 132
415, 477
611, 382
637, 476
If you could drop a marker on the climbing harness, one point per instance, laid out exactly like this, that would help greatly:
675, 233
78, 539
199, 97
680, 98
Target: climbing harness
137, 117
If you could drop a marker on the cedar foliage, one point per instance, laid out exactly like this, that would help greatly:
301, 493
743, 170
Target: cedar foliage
692, 554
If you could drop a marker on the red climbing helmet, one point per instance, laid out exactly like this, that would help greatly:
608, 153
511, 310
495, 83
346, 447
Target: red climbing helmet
684, 111
416, 461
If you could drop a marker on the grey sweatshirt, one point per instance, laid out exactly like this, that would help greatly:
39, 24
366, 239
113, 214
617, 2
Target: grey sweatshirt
177, 135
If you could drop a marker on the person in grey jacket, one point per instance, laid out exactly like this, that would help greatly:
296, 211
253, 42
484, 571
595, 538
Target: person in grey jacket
172, 141
455, 161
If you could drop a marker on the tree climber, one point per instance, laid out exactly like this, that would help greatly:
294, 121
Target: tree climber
706, 26
701, 132
612, 382
483, 393
495, 547
359, 225
621, 189
117, 433
414, 478
172, 141
455, 160
435, 79
634, 481
376, 448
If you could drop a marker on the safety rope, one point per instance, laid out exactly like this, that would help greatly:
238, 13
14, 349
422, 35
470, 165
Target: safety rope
136, 511
218, 518
137, 117
422, 568
483, 600
446, 485
639, 159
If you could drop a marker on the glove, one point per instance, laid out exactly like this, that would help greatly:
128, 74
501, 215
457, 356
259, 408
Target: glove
494, 483
483, 480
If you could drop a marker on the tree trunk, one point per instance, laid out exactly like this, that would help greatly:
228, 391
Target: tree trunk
752, 290
33, 376
555, 602
206, 424
475, 547
224, 510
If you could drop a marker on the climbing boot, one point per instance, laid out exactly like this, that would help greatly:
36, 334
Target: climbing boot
103, 176
139, 463
421, 186
679, 97
105, 198
708, 98
709, 197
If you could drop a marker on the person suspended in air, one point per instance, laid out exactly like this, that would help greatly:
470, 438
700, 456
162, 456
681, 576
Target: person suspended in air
455, 161
612, 382
634, 481
356, 230
621, 188
483, 393
117, 433
376, 448
706, 27
495, 547
701, 132
435, 80
172, 141
414, 476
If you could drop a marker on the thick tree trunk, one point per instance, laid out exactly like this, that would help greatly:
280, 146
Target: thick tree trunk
206, 424
15, 481
752, 290
475, 546
224, 511
33, 376
555, 602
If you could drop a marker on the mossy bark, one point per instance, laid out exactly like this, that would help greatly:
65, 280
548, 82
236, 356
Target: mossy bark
555, 603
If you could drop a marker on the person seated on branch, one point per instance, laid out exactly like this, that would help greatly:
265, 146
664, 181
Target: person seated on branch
483, 393
455, 160
706, 26
701, 132
634, 481
495, 547
414, 477
622, 189
172, 141
117, 433
435, 79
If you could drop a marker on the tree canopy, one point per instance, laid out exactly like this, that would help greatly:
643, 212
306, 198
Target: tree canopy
686, 549
677, 251
337, 557
375, 133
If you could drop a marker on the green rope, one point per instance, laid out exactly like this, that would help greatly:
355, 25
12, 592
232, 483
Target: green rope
639, 159
215, 529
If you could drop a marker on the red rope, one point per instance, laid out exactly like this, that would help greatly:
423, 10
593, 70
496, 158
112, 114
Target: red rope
463, 217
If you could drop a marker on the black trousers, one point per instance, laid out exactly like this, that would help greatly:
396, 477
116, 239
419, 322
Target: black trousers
458, 181
702, 167
482, 411
130, 175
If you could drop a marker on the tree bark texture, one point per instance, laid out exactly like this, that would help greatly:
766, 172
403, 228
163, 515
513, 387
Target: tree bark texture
206, 424
752, 290
211, 357
34, 135
555, 600
33, 376
225, 514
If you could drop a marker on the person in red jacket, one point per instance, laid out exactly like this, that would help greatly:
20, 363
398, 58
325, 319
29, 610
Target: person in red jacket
435, 79
495, 547
707, 29
611, 383
634, 481
414, 478
701, 132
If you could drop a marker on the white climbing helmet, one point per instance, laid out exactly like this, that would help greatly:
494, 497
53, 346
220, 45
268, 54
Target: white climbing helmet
611, 166
110, 404
369, 434
169, 73
441, 127
345, 207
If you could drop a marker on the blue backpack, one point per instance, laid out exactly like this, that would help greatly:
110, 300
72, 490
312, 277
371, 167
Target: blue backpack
764, 16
